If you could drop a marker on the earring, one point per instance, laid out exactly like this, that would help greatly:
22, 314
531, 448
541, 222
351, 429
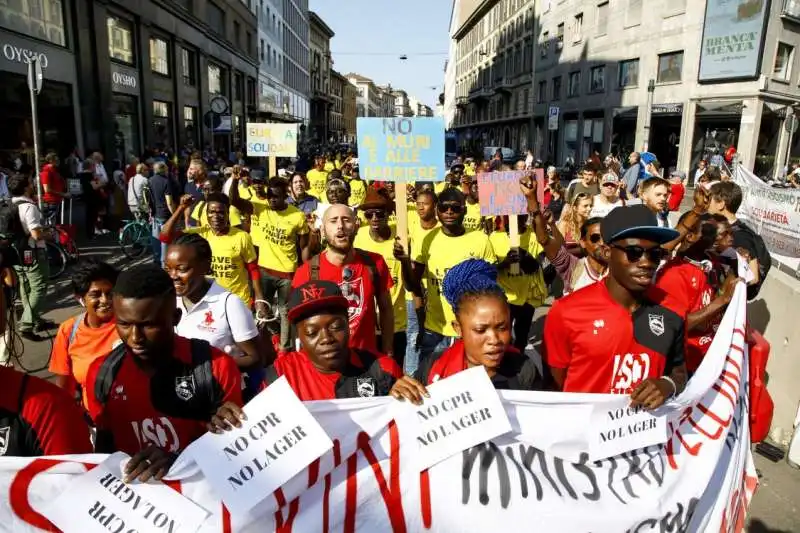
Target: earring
80, 301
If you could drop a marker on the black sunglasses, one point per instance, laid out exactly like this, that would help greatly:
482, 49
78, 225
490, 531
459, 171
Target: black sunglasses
374, 213
455, 208
635, 253
594, 238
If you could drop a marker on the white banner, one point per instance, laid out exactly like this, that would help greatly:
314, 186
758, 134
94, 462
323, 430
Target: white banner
772, 213
539, 475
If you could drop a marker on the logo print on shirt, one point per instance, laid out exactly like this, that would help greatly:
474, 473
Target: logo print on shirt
656, 324
209, 318
119, 393
365, 387
184, 387
629, 370
354, 292
5, 438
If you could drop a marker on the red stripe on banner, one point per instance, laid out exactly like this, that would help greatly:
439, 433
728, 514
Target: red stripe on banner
313, 473
280, 499
294, 507
337, 453
738, 348
695, 424
350, 497
227, 526
174, 484
425, 498
20, 485
734, 364
740, 331
326, 504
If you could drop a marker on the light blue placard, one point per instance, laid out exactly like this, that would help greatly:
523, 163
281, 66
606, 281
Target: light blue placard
405, 149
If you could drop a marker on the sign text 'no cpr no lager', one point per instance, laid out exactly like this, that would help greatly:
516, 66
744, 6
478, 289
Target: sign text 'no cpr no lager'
271, 140
401, 149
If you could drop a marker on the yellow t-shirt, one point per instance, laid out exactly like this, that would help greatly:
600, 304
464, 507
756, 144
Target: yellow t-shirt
358, 192
439, 186
472, 219
440, 253
416, 236
330, 165
229, 257
469, 170
317, 179
278, 232
200, 214
397, 292
520, 288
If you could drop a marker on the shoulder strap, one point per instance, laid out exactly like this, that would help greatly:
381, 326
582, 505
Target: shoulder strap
202, 371
21, 397
108, 373
373, 268
74, 331
227, 318
314, 268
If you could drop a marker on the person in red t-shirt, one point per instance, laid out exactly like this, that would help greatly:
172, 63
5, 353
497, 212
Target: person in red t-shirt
326, 367
677, 189
608, 337
53, 185
363, 277
691, 285
483, 323
155, 394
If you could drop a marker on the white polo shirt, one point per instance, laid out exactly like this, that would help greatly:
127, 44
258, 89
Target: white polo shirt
221, 318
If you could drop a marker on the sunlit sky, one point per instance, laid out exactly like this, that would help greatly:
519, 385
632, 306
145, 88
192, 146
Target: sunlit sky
372, 34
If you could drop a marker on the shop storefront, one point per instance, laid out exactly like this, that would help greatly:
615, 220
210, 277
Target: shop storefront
571, 141
665, 132
593, 134
125, 87
716, 128
58, 109
623, 131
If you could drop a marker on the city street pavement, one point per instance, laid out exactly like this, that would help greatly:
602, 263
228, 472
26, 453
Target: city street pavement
775, 507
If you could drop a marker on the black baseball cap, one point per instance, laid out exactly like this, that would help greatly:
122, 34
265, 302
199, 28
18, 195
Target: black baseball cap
634, 222
258, 176
312, 297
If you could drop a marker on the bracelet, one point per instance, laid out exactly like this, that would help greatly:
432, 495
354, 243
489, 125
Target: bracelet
674, 387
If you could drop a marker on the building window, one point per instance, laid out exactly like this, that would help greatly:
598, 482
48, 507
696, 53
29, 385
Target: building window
238, 86
249, 44
669, 67
602, 18
38, 19
783, 62
188, 67
545, 43
557, 88
215, 18
120, 40
216, 84
541, 95
577, 28
190, 124
269, 54
162, 124
628, 73
574, 84
560, 36
262, 50
597, 79
159, 56
237, 33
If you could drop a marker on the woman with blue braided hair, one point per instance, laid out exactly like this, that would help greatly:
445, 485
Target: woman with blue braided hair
483, 323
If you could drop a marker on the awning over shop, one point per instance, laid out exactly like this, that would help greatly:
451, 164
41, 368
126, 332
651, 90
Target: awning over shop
714, 108
628, 112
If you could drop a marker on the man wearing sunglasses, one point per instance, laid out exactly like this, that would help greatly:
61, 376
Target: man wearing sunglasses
442, 249
473, 221
610, 337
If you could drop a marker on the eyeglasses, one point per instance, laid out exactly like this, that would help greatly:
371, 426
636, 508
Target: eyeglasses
455, 208
374, 213
594, 238
612, 185
635, 253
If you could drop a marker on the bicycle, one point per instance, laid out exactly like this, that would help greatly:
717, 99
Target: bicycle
135, 237
61, 249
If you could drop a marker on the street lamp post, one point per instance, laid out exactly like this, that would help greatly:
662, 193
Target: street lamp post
651, 88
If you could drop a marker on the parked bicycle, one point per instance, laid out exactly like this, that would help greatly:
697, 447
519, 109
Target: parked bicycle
61, 247
135, 237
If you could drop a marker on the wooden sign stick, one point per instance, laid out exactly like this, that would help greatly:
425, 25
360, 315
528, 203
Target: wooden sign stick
401, 211
513, 233
273, 166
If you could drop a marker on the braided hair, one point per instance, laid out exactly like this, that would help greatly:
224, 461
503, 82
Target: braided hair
470, 280
201, 247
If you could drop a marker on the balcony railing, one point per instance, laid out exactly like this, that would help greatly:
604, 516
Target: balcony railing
791, 10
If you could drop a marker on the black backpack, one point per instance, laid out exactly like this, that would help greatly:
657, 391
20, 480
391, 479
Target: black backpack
13, 239
762, 256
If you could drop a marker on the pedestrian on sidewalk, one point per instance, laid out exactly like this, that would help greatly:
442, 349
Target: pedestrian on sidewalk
33, 269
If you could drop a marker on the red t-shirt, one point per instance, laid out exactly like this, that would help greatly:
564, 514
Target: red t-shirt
368, 374
606, 349
40, 419
516, 371
686, 289
359, 290
164, 409
676, 193
50, 177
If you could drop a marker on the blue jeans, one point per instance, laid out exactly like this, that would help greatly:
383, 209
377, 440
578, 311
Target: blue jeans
433, 344
411, 360
159, 248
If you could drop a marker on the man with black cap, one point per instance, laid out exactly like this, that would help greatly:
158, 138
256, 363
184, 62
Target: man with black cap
608, 337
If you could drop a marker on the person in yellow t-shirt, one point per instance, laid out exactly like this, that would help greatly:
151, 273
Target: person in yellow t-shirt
317, 178
525, 290
283, 231
442, 249
358, 188
233, 255
199, 213
473, 221
378, 237
423, 222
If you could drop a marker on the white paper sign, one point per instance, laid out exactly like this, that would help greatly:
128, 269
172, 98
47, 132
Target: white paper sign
271, 139
616, 428
99, 501
279, 439
462, 411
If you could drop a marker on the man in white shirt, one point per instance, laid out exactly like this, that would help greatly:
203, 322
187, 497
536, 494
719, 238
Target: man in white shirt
138, 202
608, 198
33, 270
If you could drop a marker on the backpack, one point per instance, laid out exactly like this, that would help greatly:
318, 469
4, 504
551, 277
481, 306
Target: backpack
13, 239
762, 257
365, 258
74, 331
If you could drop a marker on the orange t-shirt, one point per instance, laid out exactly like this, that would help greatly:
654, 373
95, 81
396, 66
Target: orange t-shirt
89, 344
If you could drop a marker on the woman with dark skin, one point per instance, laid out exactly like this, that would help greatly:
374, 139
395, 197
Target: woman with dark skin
188, 263
483, 323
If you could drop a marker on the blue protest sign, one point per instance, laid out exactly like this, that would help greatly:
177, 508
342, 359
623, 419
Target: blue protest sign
401, 149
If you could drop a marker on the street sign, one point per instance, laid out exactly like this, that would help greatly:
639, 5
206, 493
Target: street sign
552, 117
35, 75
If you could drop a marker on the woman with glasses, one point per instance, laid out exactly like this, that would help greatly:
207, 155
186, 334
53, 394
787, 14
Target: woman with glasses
572, 220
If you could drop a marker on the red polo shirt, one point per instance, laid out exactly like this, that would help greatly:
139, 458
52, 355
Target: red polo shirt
368, 374
169, 409
606, 349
